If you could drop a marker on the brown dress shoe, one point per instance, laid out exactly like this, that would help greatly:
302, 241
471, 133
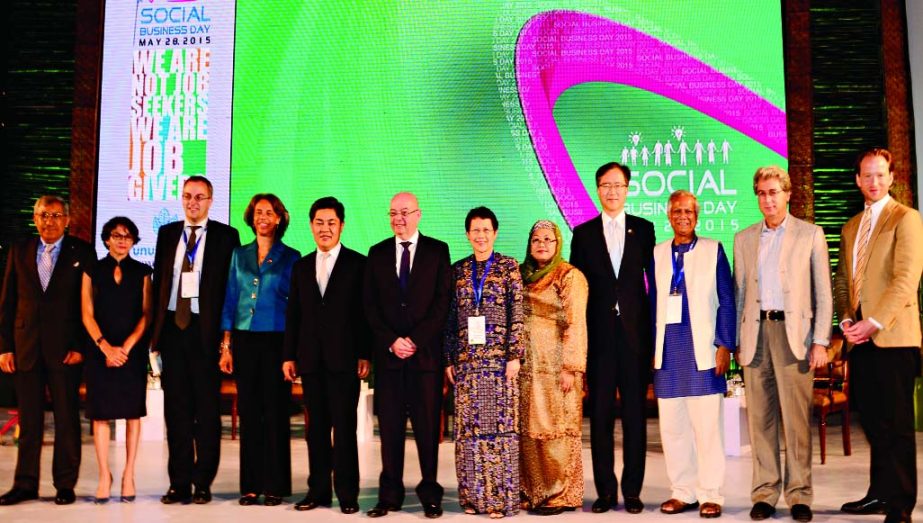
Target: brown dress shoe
675, 506
710, 510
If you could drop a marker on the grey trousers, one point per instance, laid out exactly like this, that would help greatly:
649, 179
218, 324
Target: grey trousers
779, 392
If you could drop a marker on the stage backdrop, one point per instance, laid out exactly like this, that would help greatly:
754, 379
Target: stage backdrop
512, 105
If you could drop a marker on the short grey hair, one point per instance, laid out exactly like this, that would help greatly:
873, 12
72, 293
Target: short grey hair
48, 199
682, 193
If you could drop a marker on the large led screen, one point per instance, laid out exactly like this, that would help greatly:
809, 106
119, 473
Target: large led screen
512, 105
508, 104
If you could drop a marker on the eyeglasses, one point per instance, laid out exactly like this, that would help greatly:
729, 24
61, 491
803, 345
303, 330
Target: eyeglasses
198, 198
48, 216
117, 236
772, 193
402, 213
606, 187
539, 241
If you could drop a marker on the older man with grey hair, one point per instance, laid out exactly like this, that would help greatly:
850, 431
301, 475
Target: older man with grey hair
785, 307
41, 344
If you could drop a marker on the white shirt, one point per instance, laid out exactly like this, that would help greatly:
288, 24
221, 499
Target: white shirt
399, 250
196, 264
771, 295
619, 238
331, 260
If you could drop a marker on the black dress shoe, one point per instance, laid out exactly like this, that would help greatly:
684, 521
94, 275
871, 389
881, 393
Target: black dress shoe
865, 505
898, 516
248, 500
202, 496
762, 510
176, 496
18, 495
272, 501
633, 505
65, 496
309, 503
432, 510
604, 503
349, 507
382, 509
549, 511
802, 512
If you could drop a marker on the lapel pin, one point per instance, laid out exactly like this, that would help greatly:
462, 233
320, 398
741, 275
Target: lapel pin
631, 231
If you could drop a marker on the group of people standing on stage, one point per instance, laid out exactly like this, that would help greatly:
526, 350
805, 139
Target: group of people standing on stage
515, 341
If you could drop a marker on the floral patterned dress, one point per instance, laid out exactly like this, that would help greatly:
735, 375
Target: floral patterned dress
555, 340
486, 405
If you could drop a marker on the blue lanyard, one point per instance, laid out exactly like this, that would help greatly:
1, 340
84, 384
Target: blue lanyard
190, 253
479, 284
679, 272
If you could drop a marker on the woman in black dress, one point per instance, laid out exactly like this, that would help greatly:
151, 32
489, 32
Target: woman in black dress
116, 313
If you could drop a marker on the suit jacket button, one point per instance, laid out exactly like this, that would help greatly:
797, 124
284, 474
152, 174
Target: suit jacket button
404, 305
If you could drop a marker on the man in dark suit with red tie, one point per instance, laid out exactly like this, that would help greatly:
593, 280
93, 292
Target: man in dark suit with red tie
407, 284
614, 251
328, 342
190, 276
41, 344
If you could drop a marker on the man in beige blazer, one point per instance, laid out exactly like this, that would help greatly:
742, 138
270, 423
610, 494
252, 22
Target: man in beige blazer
785, 307
881, 259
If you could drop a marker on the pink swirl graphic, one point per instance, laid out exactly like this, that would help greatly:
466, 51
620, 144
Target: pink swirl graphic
557, 50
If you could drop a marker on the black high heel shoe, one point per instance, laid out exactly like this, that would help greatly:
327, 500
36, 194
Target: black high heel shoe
103, 501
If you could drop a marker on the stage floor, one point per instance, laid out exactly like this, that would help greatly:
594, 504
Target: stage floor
841, 479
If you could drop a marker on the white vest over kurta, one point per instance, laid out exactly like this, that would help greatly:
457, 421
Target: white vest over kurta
700, 268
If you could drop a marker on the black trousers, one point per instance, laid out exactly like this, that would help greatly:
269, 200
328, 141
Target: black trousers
331, 399
417, 394
882, 382
263, 401
63, 383
192, 398
621, 368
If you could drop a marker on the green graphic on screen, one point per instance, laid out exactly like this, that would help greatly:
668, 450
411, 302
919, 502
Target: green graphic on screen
368, 99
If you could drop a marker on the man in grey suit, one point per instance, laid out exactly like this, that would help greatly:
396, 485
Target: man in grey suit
785, 307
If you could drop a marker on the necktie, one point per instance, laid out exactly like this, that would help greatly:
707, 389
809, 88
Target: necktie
404, 275
184, 305
862, 255
322, 276
615, 251
45, 267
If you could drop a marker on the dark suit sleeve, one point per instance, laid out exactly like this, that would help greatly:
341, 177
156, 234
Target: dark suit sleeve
433, 323
383, 335
576, 251
293, 316
364, 346
8, 299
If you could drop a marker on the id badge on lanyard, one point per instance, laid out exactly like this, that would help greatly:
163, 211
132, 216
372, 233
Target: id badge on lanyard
477, 324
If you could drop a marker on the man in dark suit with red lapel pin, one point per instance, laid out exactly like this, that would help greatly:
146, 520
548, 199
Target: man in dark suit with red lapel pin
614, 252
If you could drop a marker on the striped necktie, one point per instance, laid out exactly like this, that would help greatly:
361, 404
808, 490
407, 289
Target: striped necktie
45, 266
862, 255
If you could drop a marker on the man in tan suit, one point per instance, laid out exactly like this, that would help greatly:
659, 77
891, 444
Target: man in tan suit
881, 259
785, 307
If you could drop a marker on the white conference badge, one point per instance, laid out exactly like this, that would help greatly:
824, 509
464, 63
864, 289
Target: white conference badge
674, 308
477, 330
189, 284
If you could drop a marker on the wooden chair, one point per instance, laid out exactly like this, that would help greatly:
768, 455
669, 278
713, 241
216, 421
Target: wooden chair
831, 394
